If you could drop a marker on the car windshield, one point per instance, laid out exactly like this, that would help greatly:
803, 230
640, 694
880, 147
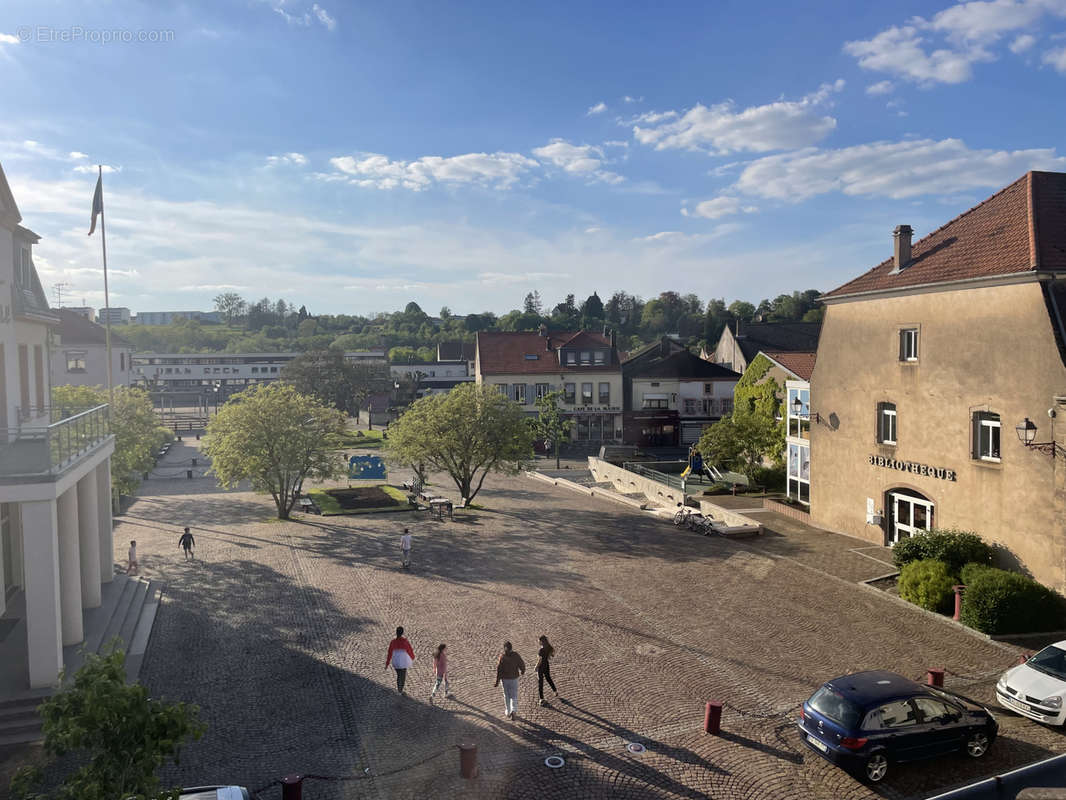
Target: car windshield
1051, 661
832, 704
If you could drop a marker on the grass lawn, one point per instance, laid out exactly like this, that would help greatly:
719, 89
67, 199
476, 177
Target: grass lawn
364, 440
360, 500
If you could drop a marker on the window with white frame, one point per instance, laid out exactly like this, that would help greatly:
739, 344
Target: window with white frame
799, 415
519, 395
692, 406
569, 393
886, 423
799, 472
586, 394
571, 357
586, 357
599, 357
727, 405
986, 429
76, 360
543, 389
908, 344
502, 388
605, 393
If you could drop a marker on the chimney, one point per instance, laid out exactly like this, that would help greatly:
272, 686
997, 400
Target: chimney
614, 339
901, 254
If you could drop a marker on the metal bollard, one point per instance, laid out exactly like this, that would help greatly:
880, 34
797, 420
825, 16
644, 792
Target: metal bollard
197, 437
188, 474
712, 718
292, 787
194, 462
959, 589
467, 759
935, 677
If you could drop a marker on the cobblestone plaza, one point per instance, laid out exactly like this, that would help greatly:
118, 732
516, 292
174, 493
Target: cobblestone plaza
278, 631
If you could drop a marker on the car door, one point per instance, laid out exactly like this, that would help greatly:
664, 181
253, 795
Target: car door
943, 734
901, 733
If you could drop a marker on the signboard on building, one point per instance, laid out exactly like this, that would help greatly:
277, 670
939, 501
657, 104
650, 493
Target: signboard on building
366, 468
912, 467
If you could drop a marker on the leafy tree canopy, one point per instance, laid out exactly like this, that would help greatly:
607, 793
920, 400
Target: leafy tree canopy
550, 425
332, 379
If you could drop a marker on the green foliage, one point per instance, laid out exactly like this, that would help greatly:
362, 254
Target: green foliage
329, 377
758, 394
550, 426
927, 583
467, 433
954, 547
772, 479
117, 734
275, 437
998, 601
740, 442
971, 571
138, 434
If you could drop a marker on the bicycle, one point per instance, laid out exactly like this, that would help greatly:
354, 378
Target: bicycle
682, 516
694, 521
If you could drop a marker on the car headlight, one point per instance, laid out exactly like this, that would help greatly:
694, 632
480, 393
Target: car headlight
1002, 682
1052, 702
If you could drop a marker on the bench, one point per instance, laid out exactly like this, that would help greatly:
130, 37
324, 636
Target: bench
308, 506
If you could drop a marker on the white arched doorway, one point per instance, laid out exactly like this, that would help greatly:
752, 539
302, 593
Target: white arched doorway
909, 512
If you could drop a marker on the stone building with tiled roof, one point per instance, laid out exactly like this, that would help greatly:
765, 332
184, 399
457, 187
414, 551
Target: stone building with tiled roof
938, 398
583, 366
740, 342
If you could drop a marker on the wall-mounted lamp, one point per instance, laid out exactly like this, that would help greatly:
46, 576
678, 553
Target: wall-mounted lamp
1026, 430
797, 411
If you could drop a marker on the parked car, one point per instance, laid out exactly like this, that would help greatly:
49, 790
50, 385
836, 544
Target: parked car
1037, 688
868, 721
214, 793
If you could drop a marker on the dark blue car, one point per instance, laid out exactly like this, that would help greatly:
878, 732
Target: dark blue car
867, 721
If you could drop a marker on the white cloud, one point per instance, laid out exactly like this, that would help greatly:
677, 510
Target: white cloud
891, 169
212, 287
599, 108
881, 87
721, 128
1056, 59
107, 169
323, 16
585, 160
7, 38
677, 239
498, 170
616, 143
631, 99
717, 207
945, 48
1022, 43
76, 155
294, 159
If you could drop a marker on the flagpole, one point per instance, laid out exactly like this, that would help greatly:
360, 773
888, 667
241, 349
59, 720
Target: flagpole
107, 299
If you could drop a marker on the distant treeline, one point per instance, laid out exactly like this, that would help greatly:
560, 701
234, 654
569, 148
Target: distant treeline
411, 335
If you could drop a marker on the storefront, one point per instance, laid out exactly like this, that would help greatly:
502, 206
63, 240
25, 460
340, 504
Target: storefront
655, 428
595, 426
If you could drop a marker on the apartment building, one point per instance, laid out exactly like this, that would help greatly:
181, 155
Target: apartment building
79, 353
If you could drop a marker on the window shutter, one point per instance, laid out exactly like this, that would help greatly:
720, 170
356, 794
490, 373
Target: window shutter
975, 435
531, 393
878, 422
902, 354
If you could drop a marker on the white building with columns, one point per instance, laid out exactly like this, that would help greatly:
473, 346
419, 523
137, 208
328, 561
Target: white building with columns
56, 547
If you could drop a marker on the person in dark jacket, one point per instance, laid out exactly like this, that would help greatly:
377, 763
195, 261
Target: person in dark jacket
508, 669
544, 672
187, 543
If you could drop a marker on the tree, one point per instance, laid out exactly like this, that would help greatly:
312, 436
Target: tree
275, 437
532, 304
413, 308
231, 305
467, 433
742, 310
550, 425
740, 441
445, 313
138, 434
116, 733
714, 321
331, 378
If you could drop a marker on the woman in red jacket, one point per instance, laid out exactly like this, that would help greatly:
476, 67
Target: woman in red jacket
400, 656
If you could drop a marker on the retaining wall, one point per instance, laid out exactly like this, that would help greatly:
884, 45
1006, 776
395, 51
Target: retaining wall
625, 482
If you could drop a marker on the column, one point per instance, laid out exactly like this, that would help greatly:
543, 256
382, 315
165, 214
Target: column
89, 540
103, 507
69, 566
40, 567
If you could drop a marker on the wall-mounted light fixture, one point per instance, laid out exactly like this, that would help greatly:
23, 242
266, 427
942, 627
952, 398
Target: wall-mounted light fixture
1026, 430
797, 411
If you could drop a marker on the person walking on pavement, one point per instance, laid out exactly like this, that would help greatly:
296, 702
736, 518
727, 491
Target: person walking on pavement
132, 565
544, 672
187, 544
440, 672
508, 669
405, 548
400, 656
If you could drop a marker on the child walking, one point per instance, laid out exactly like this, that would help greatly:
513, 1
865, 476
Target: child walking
132, 566
544, 671
440, 672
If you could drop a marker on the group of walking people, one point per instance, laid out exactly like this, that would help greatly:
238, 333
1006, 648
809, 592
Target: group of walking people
509, 668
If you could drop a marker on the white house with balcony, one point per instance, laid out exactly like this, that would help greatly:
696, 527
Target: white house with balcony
56, 553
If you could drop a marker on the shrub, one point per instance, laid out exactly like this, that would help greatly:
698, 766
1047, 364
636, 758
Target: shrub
970, 572
770, 478
927, 583
998, 601
954, 548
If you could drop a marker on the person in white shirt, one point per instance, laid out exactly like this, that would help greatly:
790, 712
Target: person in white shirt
133, 566
405, 548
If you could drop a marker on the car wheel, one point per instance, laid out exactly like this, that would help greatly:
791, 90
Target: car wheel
977, 744
876, 768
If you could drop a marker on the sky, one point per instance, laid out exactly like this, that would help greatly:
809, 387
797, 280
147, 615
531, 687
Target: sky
353, 157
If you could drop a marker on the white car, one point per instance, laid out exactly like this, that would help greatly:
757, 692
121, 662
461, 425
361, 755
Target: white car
1037, 688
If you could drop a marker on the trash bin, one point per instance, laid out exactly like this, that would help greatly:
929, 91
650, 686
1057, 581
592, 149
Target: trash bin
468, 760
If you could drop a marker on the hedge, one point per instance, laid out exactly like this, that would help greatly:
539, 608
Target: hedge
955, 548
997, 601
927, 583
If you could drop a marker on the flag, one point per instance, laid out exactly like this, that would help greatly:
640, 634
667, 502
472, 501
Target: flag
98, 203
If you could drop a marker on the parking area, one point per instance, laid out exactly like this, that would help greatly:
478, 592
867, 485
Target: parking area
278, 631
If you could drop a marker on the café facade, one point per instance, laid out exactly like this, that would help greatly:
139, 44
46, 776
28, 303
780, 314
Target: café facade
938, 397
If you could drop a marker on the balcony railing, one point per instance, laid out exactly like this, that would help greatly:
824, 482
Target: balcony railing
51, 439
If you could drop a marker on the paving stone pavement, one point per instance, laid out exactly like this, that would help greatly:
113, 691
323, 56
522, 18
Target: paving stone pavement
278, 631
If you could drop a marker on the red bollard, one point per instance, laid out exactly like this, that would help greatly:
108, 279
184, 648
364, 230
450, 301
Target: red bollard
935, 677
959, 589
292, 787
468, 759
712, 719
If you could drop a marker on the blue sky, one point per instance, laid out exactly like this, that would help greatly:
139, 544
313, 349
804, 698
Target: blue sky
354, 157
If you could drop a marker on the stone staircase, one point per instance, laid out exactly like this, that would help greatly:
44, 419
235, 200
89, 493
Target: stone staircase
128, 611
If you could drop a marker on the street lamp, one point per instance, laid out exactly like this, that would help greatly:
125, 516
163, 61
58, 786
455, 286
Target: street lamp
797, 410
1026, 430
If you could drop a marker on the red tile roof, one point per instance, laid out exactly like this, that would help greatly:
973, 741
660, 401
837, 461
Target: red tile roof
505, 353
1020, 228
800, 364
